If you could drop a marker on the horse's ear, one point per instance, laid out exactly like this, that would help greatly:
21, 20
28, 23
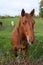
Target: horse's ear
23, 12
32, 12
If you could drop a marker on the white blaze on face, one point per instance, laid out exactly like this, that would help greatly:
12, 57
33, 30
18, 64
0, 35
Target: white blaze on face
12, 23
29, 41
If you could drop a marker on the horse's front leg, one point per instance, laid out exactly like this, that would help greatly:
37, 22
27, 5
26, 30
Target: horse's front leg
17, 56
24, 51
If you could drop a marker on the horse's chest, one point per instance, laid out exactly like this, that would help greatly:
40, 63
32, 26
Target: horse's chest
23, 40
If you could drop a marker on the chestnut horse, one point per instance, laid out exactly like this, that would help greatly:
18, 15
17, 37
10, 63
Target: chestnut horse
23, 33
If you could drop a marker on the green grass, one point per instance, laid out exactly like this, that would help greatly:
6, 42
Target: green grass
35, 51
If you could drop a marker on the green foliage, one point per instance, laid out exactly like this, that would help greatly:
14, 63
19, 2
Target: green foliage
41, 8
41, 12
41, 3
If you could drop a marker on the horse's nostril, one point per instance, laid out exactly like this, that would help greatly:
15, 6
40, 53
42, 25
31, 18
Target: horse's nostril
30, 41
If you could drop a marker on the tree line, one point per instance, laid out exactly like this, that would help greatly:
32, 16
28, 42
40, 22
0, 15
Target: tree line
41, 9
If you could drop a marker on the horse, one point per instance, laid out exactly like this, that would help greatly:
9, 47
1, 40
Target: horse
12, 23
0, 23
23, 33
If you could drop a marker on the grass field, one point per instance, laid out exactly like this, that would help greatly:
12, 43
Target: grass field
35, 51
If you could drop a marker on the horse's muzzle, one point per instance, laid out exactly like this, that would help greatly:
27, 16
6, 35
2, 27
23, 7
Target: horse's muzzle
29, 41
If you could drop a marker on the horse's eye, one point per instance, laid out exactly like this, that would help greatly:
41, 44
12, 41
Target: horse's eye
25, 22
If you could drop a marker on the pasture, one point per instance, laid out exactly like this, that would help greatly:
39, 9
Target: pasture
6, 53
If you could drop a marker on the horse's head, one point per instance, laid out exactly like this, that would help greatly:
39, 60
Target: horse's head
27, 25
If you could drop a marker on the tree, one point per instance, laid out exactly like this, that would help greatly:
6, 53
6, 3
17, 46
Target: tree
41, 8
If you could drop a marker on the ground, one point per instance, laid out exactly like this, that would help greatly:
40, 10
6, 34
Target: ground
35, 51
